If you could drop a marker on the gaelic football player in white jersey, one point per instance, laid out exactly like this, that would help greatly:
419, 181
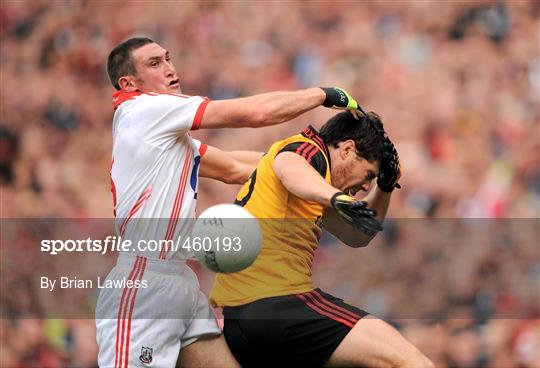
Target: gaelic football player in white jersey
154, 183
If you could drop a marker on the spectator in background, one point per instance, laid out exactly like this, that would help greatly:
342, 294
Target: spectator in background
9, 145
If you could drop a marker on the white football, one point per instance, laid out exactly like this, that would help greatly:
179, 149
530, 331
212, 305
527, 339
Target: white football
226, 238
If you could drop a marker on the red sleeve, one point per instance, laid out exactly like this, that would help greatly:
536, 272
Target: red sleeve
202, 149
199, 114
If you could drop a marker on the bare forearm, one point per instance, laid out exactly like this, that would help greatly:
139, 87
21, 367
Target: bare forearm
379, 201
261, 110
344, 231
229, 167
247, 157
319, 191
279, 107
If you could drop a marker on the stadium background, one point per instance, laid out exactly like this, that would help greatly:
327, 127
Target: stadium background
457, 86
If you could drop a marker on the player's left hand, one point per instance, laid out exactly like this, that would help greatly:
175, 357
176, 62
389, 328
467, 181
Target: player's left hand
338, 98
390, 170
356, 213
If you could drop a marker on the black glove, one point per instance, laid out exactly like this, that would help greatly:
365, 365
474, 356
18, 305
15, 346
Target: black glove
390, 170
356, 213
338, 98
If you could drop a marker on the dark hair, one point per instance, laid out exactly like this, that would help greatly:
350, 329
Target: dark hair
120, 63
367, 133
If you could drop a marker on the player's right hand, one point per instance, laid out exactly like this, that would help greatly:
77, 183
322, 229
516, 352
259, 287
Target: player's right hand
356, 213
338, 98
390, 171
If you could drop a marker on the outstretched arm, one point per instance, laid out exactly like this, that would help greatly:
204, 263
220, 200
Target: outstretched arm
231, 167
273, 107
250, 158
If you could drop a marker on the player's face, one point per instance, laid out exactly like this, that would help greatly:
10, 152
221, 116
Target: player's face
155, 72
353, 173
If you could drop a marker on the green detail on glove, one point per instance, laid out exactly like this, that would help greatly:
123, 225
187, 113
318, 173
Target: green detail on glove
338, 98
352, 104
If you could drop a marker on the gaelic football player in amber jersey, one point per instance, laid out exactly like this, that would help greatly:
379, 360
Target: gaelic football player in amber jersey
154, 176
274, 315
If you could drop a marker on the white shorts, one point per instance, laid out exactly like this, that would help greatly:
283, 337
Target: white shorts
147, 326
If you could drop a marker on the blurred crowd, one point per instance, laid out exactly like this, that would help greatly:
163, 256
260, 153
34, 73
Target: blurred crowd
457, 85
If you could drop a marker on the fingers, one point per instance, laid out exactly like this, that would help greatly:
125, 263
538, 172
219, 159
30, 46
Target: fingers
367, 213
390, 171
347, 218
369, 226
358, 215
358, 112
360, 209
374, 224
358, 205
359, 108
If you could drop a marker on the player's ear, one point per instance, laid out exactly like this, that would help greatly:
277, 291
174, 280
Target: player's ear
347, 148
127, 83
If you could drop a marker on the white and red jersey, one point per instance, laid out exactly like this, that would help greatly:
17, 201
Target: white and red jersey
155, 168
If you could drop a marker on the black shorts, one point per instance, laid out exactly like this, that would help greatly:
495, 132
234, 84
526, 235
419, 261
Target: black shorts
301, 330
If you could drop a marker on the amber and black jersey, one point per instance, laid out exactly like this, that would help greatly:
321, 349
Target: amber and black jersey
290, 226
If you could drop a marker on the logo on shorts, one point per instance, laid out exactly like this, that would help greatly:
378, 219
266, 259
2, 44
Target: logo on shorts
146, 355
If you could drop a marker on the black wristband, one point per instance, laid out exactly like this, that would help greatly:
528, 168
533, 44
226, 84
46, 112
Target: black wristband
332, 95
333, 199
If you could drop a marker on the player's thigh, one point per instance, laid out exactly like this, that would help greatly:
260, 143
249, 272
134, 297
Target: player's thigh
374, 343
211, 351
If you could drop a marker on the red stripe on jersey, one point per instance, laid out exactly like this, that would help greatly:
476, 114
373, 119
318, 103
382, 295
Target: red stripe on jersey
319, 140
179, 196
302, 149
175, 204
131, 309
310, 156
181, 203
333, 305
113, 188
119, 324
170, 94
140, 201
202, 149
310, 152
323, 313
331, 308
120, 97
199, 115
177, 207
125, 314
